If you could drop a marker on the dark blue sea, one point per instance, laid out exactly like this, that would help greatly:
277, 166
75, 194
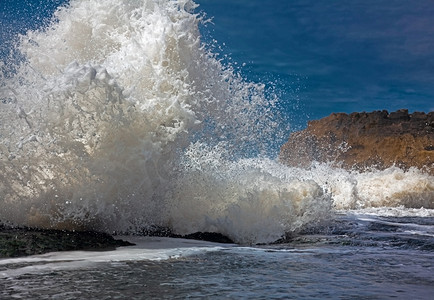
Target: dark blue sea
136, 116
333, 56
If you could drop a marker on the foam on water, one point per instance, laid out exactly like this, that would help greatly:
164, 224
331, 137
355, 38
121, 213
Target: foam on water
145, 248
391, 188
119, 117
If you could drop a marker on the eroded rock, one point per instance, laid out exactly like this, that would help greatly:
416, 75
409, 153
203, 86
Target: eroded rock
365, 140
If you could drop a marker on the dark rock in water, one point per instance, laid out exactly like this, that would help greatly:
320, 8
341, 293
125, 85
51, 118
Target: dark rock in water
365, 140
209, 236
201, 236
22, 241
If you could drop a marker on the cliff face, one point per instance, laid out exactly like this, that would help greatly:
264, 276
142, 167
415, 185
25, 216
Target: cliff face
362, 140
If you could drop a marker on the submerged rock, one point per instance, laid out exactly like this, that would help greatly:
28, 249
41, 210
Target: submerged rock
22, 241
365, 140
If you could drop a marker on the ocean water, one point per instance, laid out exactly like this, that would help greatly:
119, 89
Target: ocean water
333, 56
125, 116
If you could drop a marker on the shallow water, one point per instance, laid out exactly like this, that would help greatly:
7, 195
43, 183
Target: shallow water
361, 257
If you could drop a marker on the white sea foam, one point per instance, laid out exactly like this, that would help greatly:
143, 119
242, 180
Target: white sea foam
249, 200
392, 187
119, 117
146, 248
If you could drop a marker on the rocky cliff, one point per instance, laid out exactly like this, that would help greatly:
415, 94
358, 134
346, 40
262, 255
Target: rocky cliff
364, 140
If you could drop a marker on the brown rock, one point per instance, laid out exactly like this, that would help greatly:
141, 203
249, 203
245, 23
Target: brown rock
365, 140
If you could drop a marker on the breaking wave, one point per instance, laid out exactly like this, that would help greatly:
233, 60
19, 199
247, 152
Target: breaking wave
118, 117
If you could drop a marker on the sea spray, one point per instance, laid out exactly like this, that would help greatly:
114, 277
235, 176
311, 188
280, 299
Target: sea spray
354, 189
92, 114
98, 119
245, 199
